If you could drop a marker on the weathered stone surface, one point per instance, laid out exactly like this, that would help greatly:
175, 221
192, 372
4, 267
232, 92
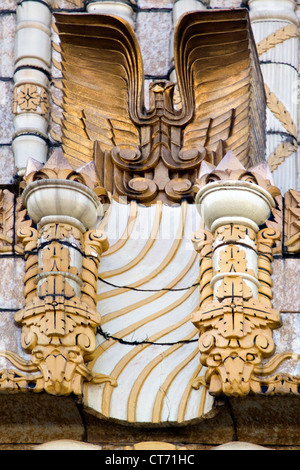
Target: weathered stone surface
11, 341
225, 3
36, 418
154, 42
6, 116
8, 5
65, 4
7, 164
287, 339
7, 37
11, 298
267, 420
286, 272
155, 3
216, 429
11, 283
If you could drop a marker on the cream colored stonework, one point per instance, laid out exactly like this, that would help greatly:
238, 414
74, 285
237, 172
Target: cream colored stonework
150, 250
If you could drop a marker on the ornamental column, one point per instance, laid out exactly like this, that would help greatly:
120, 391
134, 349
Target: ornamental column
276, 31
180, 8
62, 255
31, 78
235, 318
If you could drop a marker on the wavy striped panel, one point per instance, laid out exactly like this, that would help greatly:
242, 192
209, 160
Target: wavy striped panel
148, 288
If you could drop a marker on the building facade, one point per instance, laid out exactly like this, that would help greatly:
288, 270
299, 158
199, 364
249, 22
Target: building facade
150, 192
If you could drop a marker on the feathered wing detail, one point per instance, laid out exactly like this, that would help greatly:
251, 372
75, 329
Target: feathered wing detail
221, 85
102, 84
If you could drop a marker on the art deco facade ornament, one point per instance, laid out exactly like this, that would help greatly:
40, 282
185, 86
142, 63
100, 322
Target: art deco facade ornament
12, 218
62, 255
121, 8
154, 154
236, 318
180, 8
150, 156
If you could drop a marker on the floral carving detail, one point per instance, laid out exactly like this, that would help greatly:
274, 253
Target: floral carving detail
29, 97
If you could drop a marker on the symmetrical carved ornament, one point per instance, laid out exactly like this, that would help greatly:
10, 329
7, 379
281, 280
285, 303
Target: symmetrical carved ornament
151, 155
155, 154
30, 98
236, 318
62, 255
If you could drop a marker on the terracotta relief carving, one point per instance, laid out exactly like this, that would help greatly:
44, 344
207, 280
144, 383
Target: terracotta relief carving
155, 154
148, 156
59, 319
236, 318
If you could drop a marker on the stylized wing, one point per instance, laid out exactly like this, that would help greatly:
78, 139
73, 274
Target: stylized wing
102, 84
221, 84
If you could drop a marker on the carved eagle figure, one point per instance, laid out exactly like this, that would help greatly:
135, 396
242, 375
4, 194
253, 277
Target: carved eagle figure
155, 153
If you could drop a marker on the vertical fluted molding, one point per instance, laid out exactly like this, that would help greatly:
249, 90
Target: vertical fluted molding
123, 9
31, 79
275, 27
